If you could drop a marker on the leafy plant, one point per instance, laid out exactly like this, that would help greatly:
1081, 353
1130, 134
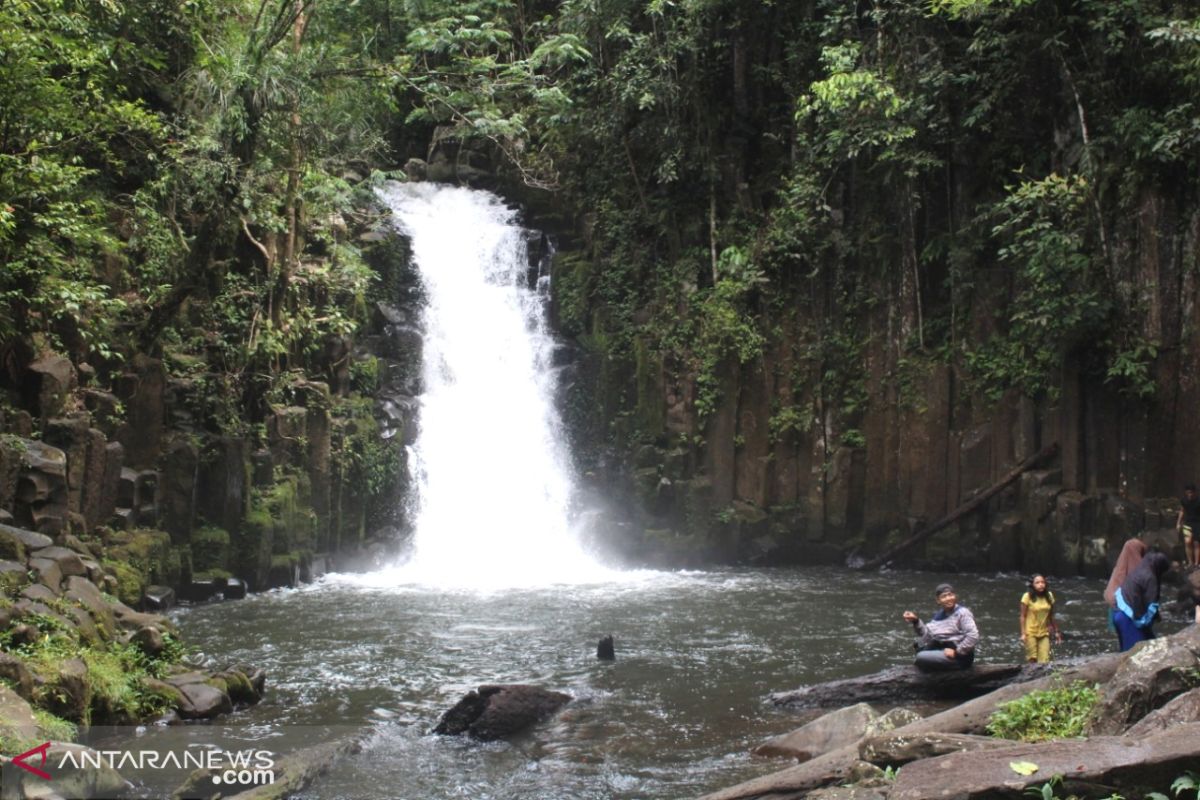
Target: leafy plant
1045, 714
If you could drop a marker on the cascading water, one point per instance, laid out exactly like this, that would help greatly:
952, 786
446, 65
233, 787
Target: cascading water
491, 478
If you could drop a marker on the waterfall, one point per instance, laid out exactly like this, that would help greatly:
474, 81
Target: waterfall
491, 477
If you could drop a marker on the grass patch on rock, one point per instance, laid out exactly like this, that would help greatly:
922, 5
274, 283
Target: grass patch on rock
1046, 714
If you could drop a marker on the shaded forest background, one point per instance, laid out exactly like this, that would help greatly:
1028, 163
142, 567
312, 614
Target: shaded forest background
828, 268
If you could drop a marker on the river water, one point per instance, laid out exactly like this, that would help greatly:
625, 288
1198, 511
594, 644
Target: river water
674, 716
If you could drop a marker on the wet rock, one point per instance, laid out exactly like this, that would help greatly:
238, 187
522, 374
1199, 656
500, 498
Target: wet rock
158, 598
201, 590
1148, 676
828, 732
496, 711
605, 651
198, 699
1104, 764
908, 683
239, 687
235, 589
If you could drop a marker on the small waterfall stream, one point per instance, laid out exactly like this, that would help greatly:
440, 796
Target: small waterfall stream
491, 478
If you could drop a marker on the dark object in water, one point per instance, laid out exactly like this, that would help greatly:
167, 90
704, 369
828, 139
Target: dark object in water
605, 650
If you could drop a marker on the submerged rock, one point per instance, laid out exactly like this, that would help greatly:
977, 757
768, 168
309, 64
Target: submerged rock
496, 711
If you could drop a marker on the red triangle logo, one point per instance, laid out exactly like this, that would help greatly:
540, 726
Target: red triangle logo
39, 750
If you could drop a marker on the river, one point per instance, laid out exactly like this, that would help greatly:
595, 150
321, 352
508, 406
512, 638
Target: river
674, 716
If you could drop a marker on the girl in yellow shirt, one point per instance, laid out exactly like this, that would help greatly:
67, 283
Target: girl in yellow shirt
1037, 621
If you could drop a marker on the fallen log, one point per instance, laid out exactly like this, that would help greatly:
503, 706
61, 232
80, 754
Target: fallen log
966, 508
908, 684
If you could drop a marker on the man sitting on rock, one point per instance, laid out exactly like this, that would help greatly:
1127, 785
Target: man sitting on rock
948, 641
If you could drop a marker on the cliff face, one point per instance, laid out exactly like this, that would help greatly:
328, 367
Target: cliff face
163, 466
773, 474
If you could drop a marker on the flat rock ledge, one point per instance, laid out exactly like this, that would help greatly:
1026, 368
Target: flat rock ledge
497, 711
1145, 733
909, 684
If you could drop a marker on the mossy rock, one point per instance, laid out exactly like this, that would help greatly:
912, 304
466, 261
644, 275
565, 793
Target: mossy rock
130, 581
11, 548
150, 554
210, 549
13, 578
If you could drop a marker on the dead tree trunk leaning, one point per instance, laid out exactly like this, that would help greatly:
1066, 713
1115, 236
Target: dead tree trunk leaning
1049, 451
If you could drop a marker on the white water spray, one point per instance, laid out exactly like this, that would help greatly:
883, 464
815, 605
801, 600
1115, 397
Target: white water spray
491, 477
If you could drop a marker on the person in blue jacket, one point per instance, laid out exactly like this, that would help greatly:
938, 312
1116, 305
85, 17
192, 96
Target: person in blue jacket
1137, 600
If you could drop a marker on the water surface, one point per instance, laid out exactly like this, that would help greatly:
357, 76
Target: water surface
675, 716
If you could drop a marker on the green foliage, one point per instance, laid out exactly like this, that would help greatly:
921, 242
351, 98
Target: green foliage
1061, 301
115, 680
363, 458
1046, 714
54, 728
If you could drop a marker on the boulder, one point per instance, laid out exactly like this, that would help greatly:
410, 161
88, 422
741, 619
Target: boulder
894, 718
48, 573
158, 598
17, 723
1149, 675
292, 774
38, 593
495, 711
11, 548
149, 640
75, 774
13, 575
795, 782
1183, 709
828, 732
198, 700
235, 589
52, 378
72, 693
893, 749
1099, 766
31, 540
14, 673
84, 592
69, 562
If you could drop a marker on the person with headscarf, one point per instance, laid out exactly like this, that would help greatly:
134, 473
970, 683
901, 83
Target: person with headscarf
1137, 600
1131, 555
948, 640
